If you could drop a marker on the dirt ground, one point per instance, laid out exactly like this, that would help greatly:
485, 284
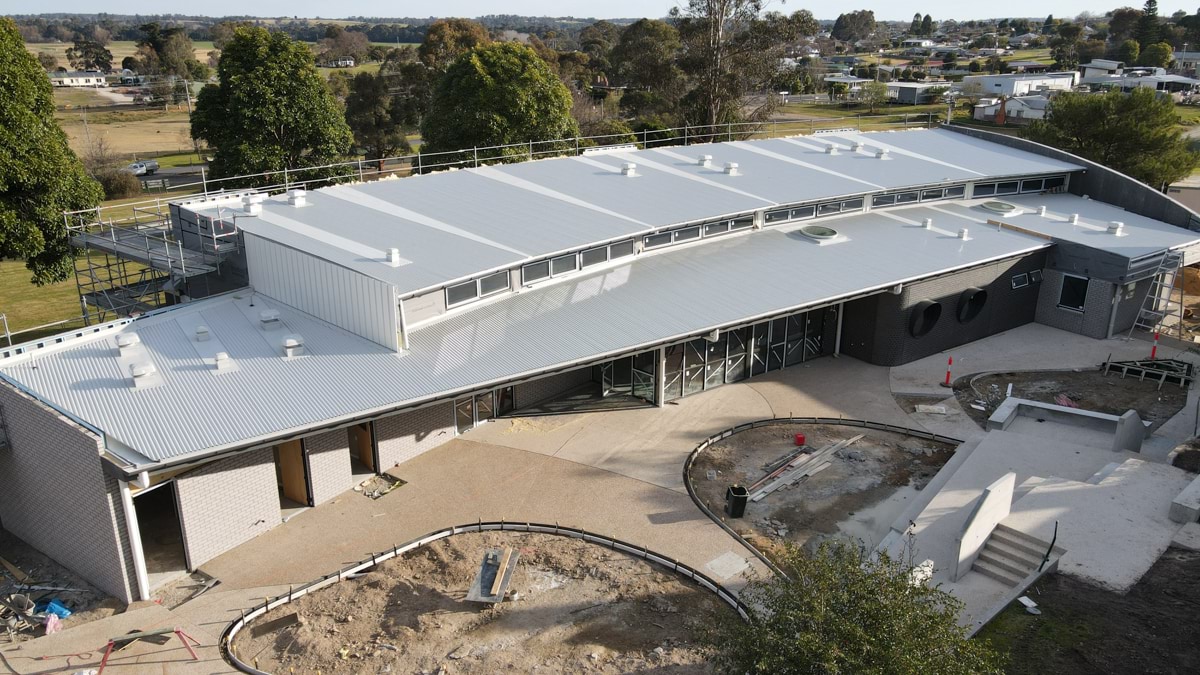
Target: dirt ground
574, 607
87, 603
1085, 629
858, 496
1089, 390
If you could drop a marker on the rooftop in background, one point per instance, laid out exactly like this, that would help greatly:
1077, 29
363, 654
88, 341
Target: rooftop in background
456, 224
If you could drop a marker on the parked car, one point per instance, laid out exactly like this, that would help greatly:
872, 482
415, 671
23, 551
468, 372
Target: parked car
145, 168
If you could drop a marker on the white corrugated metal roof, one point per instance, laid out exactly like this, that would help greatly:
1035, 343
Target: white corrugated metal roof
456, 224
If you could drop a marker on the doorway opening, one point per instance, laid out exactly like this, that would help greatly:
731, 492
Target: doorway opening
157, 510
291, 475
363, 461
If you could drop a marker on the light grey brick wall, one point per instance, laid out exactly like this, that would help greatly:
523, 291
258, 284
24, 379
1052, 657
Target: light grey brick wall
55, 496
1097, 307
227, 502
529, 393
404, 436
328, 464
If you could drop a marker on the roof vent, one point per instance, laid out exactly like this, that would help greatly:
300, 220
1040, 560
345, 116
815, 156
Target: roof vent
855, 146
252, 204
142, 372
1074, 220
704, 160
269, 318
927, 223
393, 257
882, 154
1041, 210
831, 149
731, 168
293, 345
202, 334
963, 234
629, 169
296, 197
1116, 228
126, 342
222, 361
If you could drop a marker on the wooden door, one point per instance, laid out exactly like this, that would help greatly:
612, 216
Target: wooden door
292, 474
361, 445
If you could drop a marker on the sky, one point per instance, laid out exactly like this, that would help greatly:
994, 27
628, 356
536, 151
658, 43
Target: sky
822, 9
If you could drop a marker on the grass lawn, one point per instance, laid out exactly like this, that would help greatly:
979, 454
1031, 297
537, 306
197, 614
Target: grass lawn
831, 111
1189, 115
76, 97
130, 133
1039, 55
119, 48
171, 161
360, 68
27, 305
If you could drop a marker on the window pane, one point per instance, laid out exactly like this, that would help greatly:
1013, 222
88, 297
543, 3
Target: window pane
1006, 188
687, 233
906, 197
883, 200
1056, 181
1035, 276
852, 205
956, 191
827, 209
563, 264
742, 223
1031, 185
461, 293
931, 194
804, 212
620, 249
1020, 281
985, 190
493, 283
534, 271
777, 216
1074, 293
711, 229
595, 256
656, 240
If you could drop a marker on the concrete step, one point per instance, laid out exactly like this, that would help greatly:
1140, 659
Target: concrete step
1019, 540
1018, 568
1012, 553
1104, 473
989, 570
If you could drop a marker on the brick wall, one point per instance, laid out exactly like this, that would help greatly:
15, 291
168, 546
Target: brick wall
404, 436
529, 393
55, 496
227, 502
328, 464
876, 329
1097, 307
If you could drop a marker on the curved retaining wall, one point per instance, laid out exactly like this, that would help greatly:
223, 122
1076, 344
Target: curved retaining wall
235, 627
776, 421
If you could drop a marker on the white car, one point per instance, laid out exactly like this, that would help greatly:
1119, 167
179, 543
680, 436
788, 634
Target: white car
142, 168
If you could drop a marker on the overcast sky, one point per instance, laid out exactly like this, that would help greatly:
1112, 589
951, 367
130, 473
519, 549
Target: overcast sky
823, 9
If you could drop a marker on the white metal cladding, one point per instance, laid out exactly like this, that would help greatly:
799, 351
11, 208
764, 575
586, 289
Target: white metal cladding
360, 304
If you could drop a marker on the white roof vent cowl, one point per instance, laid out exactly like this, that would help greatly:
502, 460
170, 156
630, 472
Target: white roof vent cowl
629, 169
293, 345
882, 154
296, 197
126, 342
252, 204
269, 318
855, 146
1116, 228
927, 223
142, 373
202, 334
222, 361
831, 150
704, 160
393, 257
1074, 219
731, 168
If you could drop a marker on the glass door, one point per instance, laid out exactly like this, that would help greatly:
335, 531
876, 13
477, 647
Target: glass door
622, 375
758, 349
693, 366
778, 344
673, 373
814, 332
735, 368
504, 401
606, 378
484, 408
795, 339
644, 366
464, 415
715, 362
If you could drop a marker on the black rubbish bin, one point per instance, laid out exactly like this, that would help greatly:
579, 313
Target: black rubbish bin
735, 501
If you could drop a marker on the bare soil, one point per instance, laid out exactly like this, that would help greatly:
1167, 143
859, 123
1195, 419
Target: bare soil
86, 602
573, 607
858, 496
1086, 629
1089, 390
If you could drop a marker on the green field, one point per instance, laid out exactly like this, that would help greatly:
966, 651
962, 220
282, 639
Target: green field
27, 305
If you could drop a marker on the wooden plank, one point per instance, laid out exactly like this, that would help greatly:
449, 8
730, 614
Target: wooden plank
500, 570
276, 624
799, 459
813, 460
16, 572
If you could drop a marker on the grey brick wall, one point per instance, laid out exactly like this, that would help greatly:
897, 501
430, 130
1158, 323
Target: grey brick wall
876, 329
1097, 307
404, 436
328, 464
55, 496
529, 393
227, 502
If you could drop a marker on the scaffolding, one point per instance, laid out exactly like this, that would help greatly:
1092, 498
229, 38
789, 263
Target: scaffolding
129, 265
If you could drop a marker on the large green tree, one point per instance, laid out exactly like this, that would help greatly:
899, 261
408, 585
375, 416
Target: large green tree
39, 175
1135, 133
500, 94
375, 117
89, 55
1148, 32
841, 610
645, 58
270, 111
448, 39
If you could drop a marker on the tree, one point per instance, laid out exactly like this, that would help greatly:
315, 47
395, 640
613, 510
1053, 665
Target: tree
914, 28
89, 55
854, 26
39, 175
499, 94
271, 109
729, 49
1065, 46
1147, 31
927, 25
1135, 134
47, 60
842, 610
873, 94
645, 57
377, 123
340, 43
1049, 25
448, 39
1157, 55
597, 41
1122, 23
1129, 52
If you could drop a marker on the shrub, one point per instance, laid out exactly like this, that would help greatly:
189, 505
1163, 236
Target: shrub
119, 184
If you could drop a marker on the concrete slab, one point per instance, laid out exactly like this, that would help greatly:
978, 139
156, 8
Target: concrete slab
1187, 538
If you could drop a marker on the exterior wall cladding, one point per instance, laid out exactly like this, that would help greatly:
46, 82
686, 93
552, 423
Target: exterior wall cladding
404, 436
227, 502
529, 393
876, 329
329, 464
80, 523
1093, 321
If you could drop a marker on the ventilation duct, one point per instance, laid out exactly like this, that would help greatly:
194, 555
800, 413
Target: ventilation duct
269, 319
1041, 211
1116, 228
252, 204
629, 169
1074, 219
142, 373
855, 146
704, 160
293, 345
296, 197
393, 257
731, 168
927, 223
882, 154
831, 150
963, 234
127, 342
202, 334
222, 362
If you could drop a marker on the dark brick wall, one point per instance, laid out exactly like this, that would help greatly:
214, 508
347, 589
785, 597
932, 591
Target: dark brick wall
876, 329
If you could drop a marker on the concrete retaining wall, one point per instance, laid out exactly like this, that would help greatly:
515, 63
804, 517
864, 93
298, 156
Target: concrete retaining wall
55, 496
989, 509
404, 436
329, 464
227, 502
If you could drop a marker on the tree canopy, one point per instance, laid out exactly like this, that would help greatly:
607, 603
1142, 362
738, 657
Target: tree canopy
448, 39
1135, 134
89, 55
854, 26
271, 109
842, 611
375, 117
498, 94
39, 175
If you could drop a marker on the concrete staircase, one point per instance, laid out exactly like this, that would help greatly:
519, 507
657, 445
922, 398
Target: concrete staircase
1010, 556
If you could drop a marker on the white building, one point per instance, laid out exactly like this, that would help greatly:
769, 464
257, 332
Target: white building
1102, 68
1022, 84
1017, 110
86, 78
917, 42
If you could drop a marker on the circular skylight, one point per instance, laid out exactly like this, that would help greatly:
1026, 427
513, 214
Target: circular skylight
818, 232
997, 206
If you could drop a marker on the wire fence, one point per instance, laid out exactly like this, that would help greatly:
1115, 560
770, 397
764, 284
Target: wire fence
237, 625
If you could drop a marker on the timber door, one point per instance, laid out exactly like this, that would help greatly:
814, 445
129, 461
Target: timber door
362, 445
292, 472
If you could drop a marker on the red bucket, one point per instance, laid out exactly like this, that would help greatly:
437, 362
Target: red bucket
799, 439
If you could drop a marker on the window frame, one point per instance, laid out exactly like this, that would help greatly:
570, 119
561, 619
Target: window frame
525, 280
612, 248
670, 239
583, 262
474, 286
574, 257
1019, 281
1082, 298
506, 287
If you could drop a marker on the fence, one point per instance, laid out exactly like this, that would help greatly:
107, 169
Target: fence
236, 626
722, 435
364, 169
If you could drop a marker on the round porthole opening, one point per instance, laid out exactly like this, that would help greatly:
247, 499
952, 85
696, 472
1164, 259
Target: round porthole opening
997, 206
924, 317
971, 303
819, 232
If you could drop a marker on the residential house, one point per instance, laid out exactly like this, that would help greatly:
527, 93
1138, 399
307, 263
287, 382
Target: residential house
78, 78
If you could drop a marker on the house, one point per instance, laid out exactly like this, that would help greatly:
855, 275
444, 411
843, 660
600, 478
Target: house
914, 93
853, 84
1027, 66
1021, 84
1186, 62
343, 62
917, 42
76, 78
1024, 39
375, 321
1101, 68
1017, 110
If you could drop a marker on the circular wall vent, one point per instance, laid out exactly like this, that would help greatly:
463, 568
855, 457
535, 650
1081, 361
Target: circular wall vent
819, 232
971, 303
924, 317
997, 206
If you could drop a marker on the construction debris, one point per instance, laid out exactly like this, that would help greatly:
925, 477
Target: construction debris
931, 409
378, 486
801, 467
1160, 370
494, 576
